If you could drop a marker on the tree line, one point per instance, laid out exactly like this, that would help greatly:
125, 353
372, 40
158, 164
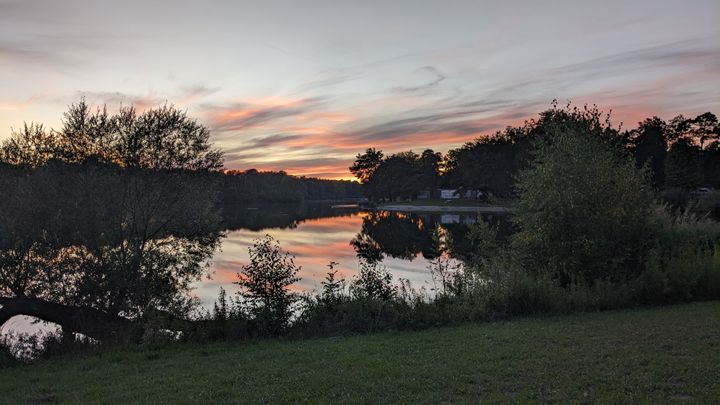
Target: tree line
251, 186
683, 154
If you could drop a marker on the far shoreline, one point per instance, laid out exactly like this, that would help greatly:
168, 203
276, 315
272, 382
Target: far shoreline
489, 209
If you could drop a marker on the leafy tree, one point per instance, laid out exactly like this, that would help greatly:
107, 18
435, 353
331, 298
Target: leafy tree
487, 164
430, 164
677, 128
364, 168
398, 176
704, 129
650, 147
93, 240
265, 283
682, 167
583, 210
366, 163
221, 309
701, 130
491, 163
162, 138
32, 146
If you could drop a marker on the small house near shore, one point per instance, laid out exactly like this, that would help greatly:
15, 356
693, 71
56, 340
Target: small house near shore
455, 194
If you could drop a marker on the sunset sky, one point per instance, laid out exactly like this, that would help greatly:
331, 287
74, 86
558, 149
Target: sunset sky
305, 85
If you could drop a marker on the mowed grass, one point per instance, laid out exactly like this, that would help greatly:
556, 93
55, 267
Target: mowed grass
654, 355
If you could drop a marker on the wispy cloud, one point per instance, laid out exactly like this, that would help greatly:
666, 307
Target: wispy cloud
306, 90
183, 96
62, 50
249, 114
432, 76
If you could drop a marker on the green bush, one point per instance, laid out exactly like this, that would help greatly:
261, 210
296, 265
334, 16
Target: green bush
373, 282
265, 285
583, 211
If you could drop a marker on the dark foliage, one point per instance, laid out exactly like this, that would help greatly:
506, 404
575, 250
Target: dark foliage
107, 219
252, 186
265, 283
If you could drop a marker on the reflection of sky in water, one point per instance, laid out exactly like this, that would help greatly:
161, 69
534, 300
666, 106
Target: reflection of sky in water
315, 243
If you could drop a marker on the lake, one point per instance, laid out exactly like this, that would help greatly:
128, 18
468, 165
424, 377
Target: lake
320, 233
316, 234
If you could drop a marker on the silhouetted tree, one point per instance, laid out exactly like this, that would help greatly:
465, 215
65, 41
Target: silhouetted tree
332, 287
32, 146
682, 167
704, 129
364, 168
650, 147
158, 139
711, 165
430, 163
93, 239
366, 163
491, 163
487, 164
265, 283
398, 176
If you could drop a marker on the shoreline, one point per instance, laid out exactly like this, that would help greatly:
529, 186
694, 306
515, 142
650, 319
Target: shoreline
439, 208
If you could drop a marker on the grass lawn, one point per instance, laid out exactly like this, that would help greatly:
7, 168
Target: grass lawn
654, 355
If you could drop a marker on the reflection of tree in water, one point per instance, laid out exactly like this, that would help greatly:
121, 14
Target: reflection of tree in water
397, 235
405, 236
258, 217
466, 241
90, 247
106, 220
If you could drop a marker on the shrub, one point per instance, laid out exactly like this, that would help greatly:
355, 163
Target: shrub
373, 282
332, 288
582, 211
265, 283
18, 348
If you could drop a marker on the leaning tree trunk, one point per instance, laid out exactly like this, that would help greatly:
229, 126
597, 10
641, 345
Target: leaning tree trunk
88, 321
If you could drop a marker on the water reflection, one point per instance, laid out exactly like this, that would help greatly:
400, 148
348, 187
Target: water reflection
318, 233
266, 216
397, 235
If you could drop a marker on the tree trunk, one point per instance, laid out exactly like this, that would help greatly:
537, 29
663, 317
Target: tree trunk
88, 321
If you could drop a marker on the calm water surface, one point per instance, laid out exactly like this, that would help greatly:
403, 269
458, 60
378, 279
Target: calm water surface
404, 243
317, 234
315, 243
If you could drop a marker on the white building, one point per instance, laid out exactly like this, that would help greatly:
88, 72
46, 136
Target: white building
454, 194
449, 194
